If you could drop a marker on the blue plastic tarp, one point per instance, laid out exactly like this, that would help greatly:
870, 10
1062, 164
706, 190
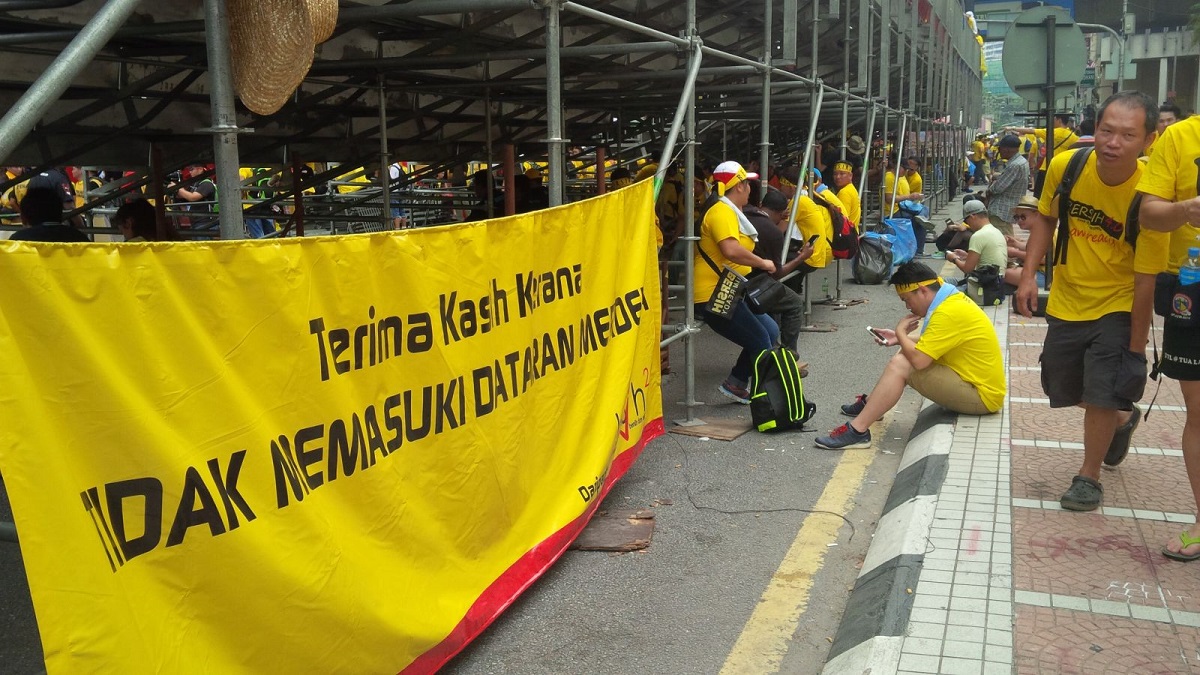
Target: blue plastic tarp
899, 231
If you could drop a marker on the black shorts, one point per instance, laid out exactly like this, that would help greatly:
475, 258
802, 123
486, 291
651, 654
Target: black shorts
1181, 353
1090, 362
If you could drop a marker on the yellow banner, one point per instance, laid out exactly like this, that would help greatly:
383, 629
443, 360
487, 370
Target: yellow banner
340, 454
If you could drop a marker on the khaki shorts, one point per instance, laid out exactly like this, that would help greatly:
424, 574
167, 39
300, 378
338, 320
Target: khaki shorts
940, 384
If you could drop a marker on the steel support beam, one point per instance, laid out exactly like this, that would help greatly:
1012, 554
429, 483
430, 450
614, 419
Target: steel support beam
554, 113
224, 120
30, 108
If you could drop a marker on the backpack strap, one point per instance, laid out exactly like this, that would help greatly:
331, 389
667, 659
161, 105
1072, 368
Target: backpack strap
1133, 220
707, 259
1063, 193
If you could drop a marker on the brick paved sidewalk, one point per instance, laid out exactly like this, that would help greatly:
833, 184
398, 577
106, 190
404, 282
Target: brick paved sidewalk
1012, 583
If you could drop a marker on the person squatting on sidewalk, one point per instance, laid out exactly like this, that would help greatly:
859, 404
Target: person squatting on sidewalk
1169, 204
1102, 294
955, 361
727, 238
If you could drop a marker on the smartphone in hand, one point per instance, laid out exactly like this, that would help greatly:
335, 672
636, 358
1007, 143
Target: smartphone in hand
879, 337
813, 239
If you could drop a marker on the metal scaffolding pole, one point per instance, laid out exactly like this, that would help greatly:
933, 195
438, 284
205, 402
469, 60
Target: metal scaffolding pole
686, 104
912, 57
862, 179
385, 166
764, 145
554, 113
224, 120
33, 104
837, 280
689, 281
804, 165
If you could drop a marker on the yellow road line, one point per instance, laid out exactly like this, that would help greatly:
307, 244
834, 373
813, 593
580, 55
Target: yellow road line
765, 637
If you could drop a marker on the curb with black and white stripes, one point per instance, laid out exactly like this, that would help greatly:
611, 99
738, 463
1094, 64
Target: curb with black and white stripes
873, 626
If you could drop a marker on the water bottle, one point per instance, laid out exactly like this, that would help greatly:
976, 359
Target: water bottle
825, 281
1189, 270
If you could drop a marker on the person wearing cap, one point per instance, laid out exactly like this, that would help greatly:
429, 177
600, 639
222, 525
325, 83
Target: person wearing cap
987, 247
847, 194
1170, 203
727, 238
1099, 310
1007, 188
955, 360
1023, 215
1064, 138
856, 151
199, 194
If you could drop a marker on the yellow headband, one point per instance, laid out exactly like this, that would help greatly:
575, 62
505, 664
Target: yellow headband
901, 289
786, 183
843, 166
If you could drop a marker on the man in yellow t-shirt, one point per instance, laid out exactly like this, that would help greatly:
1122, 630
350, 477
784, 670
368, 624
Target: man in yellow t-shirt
1168, 114
1170, 203
1098, 314
897, 183
956, 362
727, 239
912, 174
1064, 138
847, 194
978, 161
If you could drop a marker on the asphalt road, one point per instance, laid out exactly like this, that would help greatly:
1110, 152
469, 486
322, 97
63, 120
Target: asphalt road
735, 511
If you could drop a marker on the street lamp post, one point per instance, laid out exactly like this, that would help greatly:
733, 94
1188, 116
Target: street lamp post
1120, 50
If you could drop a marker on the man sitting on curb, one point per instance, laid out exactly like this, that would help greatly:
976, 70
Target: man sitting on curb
955, 362
987, 246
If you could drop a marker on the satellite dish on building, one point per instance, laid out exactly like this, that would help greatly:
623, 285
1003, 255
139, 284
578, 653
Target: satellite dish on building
1026, 53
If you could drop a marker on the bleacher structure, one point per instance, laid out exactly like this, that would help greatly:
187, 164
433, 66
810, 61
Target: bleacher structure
560, 83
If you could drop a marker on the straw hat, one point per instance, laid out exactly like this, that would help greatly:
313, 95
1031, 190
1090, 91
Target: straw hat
272, 43
1027, 202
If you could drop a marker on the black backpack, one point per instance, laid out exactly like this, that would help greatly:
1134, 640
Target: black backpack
777, 400
845, 236
1069, 178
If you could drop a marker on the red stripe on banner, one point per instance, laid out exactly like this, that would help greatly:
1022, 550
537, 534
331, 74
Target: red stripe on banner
526, 570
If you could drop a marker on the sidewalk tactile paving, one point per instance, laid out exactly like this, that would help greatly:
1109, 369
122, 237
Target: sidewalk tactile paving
1066, 641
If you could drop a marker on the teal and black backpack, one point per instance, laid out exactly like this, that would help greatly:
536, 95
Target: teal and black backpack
777, 399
